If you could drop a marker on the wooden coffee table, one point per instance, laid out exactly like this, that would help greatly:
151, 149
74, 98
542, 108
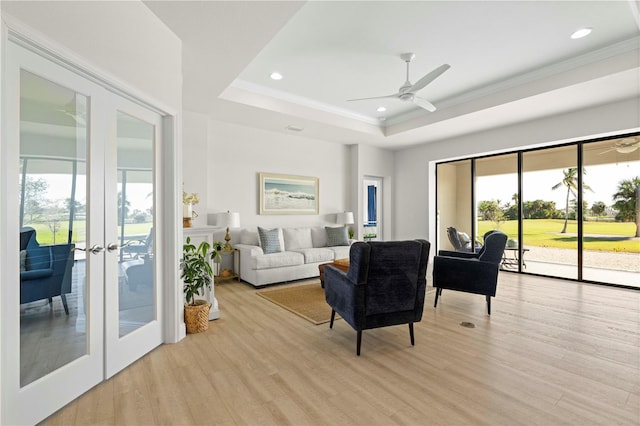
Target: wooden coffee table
342, 264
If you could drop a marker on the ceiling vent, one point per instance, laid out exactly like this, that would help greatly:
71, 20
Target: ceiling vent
294, 128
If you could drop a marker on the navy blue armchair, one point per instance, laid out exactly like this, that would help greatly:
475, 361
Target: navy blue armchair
385, 285
45, 271
471, 272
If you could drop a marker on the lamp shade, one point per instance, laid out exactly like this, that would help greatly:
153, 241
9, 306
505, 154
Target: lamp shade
346, 218
231, 219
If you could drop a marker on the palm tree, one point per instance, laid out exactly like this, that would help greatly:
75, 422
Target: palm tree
570, 180
626, 201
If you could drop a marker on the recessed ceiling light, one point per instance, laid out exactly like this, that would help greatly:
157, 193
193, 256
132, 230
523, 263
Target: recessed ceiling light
582, 32
276, 76
381, 109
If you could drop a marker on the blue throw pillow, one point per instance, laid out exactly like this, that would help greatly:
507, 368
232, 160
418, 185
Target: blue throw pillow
270, 240
337, 236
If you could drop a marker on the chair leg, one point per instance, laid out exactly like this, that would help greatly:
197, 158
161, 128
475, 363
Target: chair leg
333, 315
413, 342
488, 305
359, 342
64, 303
438, 291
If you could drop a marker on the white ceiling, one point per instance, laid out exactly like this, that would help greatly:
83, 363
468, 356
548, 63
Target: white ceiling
510, 62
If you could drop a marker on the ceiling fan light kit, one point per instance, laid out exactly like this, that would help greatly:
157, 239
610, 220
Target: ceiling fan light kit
407, 91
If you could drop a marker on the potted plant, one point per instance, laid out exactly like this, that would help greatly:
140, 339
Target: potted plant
196, 274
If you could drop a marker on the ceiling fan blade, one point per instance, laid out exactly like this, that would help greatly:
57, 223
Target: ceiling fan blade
395, 95
423, 103
607, 150
420, 84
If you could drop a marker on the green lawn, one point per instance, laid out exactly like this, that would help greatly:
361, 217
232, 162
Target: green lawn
45, 235
601, 236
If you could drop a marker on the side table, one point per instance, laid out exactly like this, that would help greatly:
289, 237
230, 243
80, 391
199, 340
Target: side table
228, 261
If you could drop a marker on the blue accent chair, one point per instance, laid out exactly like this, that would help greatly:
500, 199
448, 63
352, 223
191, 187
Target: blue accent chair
471, 272
45, 271
384, 285
461, 241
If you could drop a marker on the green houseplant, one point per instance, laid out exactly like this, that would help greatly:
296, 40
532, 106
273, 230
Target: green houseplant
196, 274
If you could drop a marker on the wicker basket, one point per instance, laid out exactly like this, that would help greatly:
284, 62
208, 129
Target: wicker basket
196, 318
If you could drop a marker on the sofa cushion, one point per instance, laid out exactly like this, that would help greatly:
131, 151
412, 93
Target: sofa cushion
278, 260
340, 252
319, 237
315, 255
297, 238
337, 236
271, 240
249, 237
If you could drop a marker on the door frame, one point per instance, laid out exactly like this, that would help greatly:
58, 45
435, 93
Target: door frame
170, 170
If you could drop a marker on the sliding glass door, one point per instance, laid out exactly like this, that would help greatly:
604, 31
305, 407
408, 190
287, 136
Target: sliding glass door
496, 187
570, 211
611, 242
454, 198
549, 225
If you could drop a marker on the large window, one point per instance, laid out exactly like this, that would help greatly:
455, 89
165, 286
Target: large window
569, 211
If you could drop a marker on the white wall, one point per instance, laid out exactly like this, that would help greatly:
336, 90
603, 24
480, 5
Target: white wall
415, 167
375, 162
237, 154
108, 35
195, 154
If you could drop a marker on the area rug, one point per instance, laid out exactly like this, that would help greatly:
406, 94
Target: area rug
304, 300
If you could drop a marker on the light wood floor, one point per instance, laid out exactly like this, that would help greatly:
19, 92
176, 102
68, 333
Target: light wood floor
552, 353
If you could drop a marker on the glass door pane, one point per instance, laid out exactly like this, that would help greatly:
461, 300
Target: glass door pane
611, 247
53, 200
549, 194
136, 292
455, 219
372, 208
497, 202
133, 306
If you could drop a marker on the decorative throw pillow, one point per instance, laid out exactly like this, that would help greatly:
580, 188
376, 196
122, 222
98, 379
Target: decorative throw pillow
297, 238
337, 236
270, 240
23, 260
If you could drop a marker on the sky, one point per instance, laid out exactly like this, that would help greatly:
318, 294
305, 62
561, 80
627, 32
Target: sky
603, 179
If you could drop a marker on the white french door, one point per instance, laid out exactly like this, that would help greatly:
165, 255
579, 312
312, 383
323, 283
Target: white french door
83, 167
133, 307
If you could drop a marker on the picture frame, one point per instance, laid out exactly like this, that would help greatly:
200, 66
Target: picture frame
288, 194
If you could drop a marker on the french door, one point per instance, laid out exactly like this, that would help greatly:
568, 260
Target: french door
87, 300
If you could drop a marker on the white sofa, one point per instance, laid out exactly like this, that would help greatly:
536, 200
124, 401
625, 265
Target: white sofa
303, 249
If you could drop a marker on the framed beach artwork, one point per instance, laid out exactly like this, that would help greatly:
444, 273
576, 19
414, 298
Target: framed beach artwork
286, 194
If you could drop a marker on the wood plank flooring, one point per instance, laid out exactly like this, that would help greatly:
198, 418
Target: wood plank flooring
553, 352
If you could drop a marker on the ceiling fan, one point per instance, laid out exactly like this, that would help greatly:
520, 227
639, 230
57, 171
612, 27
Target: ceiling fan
625, 145
407, 91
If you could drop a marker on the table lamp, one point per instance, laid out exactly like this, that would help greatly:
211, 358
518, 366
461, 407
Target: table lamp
344, 218
231, 220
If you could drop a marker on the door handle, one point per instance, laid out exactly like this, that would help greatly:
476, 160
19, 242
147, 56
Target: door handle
95, 249
115, 246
